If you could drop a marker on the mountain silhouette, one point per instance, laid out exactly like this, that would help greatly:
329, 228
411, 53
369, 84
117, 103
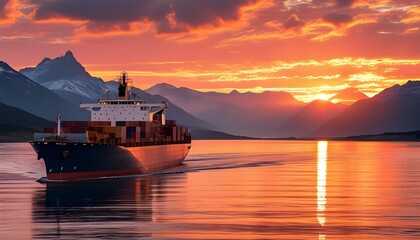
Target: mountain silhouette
248, 114
310, 118
348, 96
18, 124
395, 109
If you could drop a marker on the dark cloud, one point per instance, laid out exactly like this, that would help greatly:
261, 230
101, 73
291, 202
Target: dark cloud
337, 18
333, 3
102, 10
293, 22
196, 13
3, 4
345, 3
108, 13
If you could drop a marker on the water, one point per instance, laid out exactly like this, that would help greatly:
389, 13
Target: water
226, 190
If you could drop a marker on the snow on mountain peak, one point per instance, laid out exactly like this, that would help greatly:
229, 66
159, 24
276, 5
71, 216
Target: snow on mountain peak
64, 67
66, 74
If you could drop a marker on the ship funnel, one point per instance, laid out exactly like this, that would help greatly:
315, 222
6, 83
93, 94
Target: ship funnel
122, 88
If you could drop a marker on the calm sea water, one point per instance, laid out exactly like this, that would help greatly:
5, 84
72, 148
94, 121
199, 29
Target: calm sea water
226, 190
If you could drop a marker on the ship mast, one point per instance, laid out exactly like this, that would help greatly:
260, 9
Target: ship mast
58, 124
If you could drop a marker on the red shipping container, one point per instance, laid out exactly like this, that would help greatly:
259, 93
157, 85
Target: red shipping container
138, 130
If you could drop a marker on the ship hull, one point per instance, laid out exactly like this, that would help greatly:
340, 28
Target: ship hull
71, 161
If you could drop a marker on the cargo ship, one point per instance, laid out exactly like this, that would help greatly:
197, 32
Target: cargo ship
123, 137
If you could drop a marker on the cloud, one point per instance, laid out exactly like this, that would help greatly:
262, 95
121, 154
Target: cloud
293, 22
197, 13
337, 19
100, 11
9, 11
365, 77
3, 4
345, 3
411, 30
413, 15
166, 16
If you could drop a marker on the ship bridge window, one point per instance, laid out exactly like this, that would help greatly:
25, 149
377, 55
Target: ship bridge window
96, 109
144, 108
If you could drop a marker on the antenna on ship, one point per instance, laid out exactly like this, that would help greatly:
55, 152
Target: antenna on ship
58, 124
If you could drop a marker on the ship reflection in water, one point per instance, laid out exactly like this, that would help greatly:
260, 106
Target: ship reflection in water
110, 207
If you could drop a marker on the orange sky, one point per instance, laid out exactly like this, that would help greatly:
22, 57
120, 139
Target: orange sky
310, 48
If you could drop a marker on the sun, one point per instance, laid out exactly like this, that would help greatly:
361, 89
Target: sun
323, 96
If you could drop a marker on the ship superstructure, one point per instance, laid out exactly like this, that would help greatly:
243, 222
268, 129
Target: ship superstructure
124, 109
123, 137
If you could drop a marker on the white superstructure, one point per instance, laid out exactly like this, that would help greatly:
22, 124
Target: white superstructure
125, 109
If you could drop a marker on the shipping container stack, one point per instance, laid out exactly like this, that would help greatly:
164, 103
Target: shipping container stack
126, 133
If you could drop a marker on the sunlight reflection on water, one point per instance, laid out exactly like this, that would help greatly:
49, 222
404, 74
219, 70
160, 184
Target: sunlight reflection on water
226, 190
321, 181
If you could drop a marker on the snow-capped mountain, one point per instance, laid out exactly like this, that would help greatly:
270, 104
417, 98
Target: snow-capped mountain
18, 91
68, 78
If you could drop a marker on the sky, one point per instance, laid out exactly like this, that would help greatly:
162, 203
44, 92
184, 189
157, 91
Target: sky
310, 48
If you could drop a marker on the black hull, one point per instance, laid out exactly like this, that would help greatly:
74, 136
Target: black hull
70, 161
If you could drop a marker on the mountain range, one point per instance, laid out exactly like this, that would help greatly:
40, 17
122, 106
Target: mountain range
58, 86
249, 114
